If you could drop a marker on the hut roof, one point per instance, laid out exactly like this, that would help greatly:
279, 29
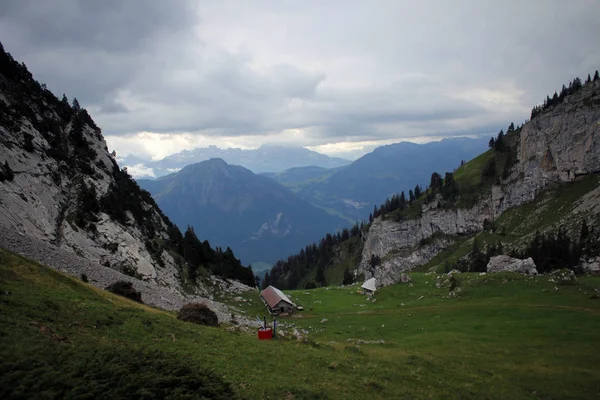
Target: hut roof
273, 296
370, 284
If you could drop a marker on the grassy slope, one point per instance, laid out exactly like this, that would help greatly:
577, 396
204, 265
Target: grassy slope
62, 338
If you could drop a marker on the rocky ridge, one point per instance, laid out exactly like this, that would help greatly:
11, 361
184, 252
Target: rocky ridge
557, 146
65, 201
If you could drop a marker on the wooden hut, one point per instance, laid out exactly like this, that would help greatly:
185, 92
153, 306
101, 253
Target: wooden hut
276, 301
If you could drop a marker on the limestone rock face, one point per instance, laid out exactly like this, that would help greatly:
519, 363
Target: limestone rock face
55, 151
42, 199
505, 263
556, 146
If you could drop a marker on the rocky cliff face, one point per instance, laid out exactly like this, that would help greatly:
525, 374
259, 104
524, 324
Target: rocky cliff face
558, 145
60, 169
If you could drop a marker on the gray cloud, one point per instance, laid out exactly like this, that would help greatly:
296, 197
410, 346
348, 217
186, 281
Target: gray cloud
336, 71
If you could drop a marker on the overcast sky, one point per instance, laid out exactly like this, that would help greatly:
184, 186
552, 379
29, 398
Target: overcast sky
339, 77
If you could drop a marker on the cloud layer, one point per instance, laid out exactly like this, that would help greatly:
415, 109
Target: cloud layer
330, 74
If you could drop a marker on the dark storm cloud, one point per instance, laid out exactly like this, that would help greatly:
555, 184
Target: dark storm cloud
332, 71
90, 49
99, 26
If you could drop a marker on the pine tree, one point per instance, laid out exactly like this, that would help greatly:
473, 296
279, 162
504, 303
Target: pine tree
492, 143
411, 196
348, 279
588, 80
320, 276
576, 84
596, 77
266, 281
563, 92
418, 191
402, 201
499, 146
511, 127
583, 237
436, 181
76, 106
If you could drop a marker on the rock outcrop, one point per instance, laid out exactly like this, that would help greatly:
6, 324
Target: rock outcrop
505, 263
44, 196
557, 146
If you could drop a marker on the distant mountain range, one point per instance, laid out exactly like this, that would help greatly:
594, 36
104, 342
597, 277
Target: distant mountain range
352, 191
269, 216
229, 205
267, 158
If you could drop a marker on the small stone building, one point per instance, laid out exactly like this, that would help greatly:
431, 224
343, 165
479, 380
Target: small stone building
276, 301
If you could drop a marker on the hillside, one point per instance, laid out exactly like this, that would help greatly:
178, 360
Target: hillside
536, 188
229, 205
529, 338
354, 190
61, 186
265, 159
559, 146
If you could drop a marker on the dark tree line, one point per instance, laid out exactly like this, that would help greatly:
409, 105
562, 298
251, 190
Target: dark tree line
500, 146
557, 98
558, 250
221, 263
549, 251
286, 274
396, 202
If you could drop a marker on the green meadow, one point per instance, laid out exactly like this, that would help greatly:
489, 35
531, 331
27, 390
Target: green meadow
502, 336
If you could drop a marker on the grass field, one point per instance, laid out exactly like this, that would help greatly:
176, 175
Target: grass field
504, 336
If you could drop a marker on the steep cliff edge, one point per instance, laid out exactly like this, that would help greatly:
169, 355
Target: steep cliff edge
557, 146
64, 185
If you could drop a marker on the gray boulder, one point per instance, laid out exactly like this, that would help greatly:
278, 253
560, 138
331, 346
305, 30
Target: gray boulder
505, 263
591, 266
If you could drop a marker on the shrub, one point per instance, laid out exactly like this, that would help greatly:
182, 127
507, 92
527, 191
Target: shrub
84, 278
6, 173
310, 285
198, 313
125, 289
28, 145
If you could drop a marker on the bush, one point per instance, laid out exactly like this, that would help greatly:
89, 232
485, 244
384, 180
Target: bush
125, 289
6, 173
198, 313
28, 145
84, 278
